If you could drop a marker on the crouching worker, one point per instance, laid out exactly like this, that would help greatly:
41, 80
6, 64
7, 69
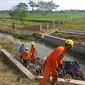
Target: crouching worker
26, 57
21, 50
53, 61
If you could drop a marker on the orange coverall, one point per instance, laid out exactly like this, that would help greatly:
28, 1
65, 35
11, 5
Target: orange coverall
25, 55
33, 53
51, 64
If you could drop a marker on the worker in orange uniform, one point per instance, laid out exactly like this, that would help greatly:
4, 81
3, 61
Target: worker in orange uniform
53, 61
33, 52
26, 57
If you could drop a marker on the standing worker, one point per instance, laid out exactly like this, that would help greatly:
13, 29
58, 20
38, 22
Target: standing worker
33, 52
53, 61
13, 26
26, 57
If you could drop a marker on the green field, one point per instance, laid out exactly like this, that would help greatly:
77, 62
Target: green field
17, 22
54, 17
58, 16
74, 24
49, 17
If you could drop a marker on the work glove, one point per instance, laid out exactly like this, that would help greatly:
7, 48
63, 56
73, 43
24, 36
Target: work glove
61, 66
61, 69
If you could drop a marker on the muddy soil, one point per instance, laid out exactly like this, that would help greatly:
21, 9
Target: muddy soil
35, 67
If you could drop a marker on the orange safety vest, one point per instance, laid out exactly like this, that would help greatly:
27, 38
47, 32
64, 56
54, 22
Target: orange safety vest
55, 57
25, 55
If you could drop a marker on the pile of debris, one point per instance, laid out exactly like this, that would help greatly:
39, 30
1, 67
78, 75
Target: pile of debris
36, 67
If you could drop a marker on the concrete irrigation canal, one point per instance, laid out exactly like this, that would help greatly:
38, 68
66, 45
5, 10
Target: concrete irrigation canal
43, 49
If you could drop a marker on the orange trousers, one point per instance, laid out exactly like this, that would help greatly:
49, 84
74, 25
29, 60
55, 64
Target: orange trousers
33, 57
46, 76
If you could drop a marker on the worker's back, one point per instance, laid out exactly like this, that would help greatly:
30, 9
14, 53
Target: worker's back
22, 49
55, 55
26, 55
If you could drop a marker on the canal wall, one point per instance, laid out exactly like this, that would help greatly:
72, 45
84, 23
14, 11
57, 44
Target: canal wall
78, 47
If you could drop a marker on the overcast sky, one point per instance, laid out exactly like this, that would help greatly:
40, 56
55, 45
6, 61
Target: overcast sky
63, 4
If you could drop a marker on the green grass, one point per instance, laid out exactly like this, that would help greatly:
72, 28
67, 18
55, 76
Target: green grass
6, 44
4, 16
53, 16
10, 76
50, 17
19, 34
73, 25
58, 16
18, 23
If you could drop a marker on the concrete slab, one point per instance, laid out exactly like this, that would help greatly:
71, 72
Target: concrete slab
62, 81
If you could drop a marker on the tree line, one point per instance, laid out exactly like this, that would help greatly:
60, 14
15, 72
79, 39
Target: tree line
22, 9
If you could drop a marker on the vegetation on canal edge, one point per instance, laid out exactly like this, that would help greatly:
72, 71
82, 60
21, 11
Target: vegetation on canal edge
6, 44
78, 38
20, 35
10, 76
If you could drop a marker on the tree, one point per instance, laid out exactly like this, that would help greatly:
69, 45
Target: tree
19, 11
32, 4
47, 7
43, 6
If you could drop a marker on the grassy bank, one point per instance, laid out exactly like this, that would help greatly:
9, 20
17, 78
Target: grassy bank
25, 35
6, 44
78, 38
9, 76
73, 25
76, 25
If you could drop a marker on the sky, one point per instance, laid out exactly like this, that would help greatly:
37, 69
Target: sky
63, 4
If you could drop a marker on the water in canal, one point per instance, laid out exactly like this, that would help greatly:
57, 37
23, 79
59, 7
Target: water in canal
44, 50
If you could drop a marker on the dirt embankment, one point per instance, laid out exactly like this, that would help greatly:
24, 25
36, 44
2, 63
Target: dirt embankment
10, 76
78, 38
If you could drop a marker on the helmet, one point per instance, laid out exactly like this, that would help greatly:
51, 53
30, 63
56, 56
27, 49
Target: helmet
70, 42
26, 48
22, 43
32, 43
